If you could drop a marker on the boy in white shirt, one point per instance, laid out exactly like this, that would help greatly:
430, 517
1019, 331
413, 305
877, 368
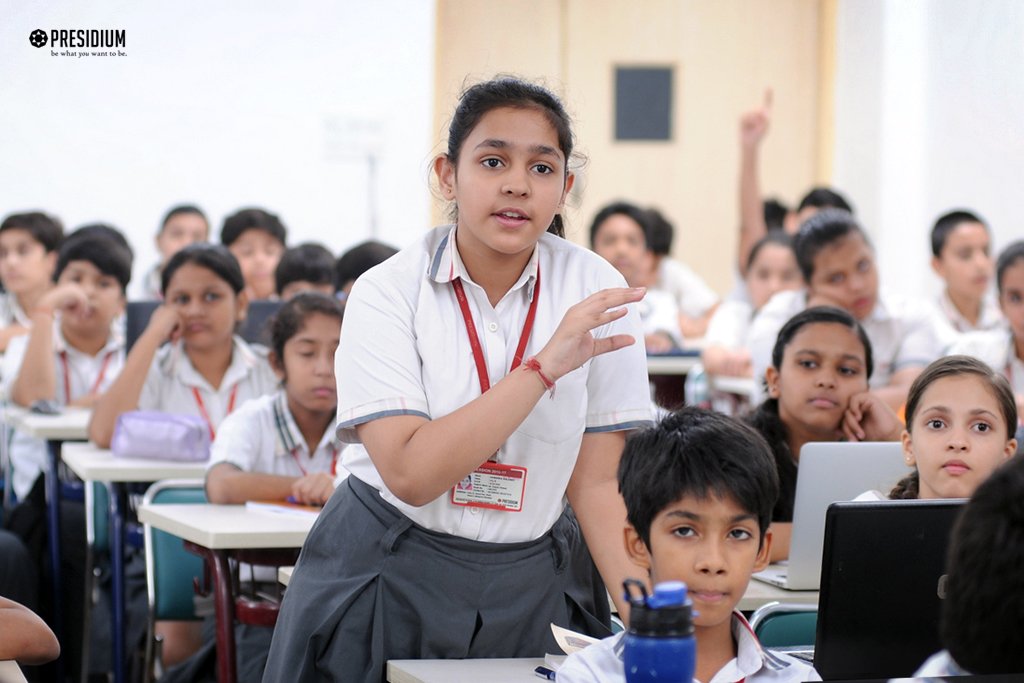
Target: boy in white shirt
699, 490
28, 255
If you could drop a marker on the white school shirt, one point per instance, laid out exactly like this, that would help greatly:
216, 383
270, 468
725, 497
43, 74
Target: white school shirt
11, 311
902, 335
172, 381
29, 455
951, 323
659, 313
261, 436
729, 326
692, 294
602, 662
994, 347
404, 351
939, 665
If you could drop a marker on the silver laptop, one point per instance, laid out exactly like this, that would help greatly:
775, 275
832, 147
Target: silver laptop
830, 473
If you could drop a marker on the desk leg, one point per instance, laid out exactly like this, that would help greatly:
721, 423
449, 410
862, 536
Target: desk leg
52, 484
117, 607
224, 609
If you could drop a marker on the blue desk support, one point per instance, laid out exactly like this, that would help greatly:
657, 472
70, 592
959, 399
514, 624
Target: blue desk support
117, 603
52, 483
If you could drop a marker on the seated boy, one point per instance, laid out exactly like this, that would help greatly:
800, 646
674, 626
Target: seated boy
980, 623
28, 253
73, 351
308, 267
257, 238
699, 489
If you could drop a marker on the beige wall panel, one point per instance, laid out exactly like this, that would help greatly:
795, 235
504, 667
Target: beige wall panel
725, 52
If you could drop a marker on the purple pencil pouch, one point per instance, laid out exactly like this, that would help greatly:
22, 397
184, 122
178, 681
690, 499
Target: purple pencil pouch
153, 435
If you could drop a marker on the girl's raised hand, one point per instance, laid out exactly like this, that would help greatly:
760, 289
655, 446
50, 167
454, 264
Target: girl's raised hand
572, 344
164, 324
869, 418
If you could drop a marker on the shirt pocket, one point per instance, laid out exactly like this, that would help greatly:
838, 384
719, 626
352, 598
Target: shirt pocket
562, 417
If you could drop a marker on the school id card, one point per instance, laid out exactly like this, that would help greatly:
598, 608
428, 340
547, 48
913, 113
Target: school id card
494, 486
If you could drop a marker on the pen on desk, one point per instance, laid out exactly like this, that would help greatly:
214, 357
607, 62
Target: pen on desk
291, 499
545, 672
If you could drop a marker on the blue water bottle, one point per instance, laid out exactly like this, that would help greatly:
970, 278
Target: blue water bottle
659, 647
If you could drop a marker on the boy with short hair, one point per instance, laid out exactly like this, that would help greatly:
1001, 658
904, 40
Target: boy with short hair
308, 267
257, 238
699, 489
73, 351
28, 254
980, 623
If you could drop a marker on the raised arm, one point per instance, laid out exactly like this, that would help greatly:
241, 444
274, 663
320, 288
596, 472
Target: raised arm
753, 127
420, 459
37, 378
123, 394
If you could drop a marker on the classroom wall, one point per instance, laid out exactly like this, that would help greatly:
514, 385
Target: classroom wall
223, 104
929, 100
724, 53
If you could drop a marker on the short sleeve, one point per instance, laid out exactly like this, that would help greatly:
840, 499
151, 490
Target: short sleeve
695, 297
11, 365
729, 325
238, 440
151, 397
921, 343
377, 364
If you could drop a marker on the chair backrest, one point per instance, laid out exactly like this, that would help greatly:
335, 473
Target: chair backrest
254, 328
137, 315
785, 625
97, 519
169, 567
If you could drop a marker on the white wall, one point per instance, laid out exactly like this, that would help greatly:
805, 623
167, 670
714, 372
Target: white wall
222, 104
929, 103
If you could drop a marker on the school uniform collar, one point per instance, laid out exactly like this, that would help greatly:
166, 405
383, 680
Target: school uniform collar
989, 317
18, 314
115, 342
243, 360
446, 264
289, 438
750, 656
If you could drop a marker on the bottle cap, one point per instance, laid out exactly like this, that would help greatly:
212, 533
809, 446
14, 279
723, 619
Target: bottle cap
667, 613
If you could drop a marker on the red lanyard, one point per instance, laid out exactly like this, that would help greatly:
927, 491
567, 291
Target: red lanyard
99, 377
206, 416
474, 341
334, 459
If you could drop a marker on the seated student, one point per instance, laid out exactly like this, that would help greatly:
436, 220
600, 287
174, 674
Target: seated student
24, 637
961, 256
838, 265
28, 255
619, 234
257, 239
283, 445
1003, 349
961, 419
308, 267
73, 352
771, 268
183, 225
817, 391
753, 221
357, 261
695, 300
699, 489
981, 613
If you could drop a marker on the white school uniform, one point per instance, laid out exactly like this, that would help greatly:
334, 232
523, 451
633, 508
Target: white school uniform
659, 314
76, 372
951, 323
405, 351
902, 335
692, 295
940, 664
261, 436
173, 385
11, 311
729, 326
994, 347
602, 662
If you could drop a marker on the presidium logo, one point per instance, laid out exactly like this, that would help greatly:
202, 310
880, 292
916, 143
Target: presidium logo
87, 42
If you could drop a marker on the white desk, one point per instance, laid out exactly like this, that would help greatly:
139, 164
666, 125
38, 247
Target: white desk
218, 532
740, 386
671, 365
92, 463
463, 670
71, 425
10, 672
284, 575
759, 594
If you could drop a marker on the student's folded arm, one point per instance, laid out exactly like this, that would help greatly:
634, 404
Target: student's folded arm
593, 492
24, 637
229, 485
420, 459
123, 394
37, 378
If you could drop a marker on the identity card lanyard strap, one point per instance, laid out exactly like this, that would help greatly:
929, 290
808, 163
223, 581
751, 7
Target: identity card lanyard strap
206, 416
99, 377
493, 485
288, 443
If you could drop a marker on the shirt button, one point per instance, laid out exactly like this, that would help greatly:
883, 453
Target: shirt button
493, 327
474, 511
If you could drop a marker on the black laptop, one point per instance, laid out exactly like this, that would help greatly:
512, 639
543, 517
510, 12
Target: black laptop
882, 581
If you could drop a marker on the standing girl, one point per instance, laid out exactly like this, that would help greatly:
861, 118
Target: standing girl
817, 391
961, 418
474, 384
